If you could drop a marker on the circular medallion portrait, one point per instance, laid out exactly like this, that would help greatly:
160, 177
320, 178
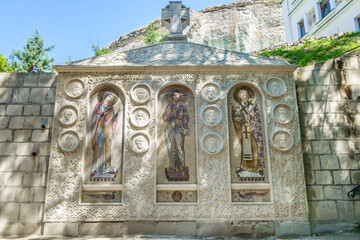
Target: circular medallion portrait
74, 88
140, 93
68, 115
282, 140
211, 115
275, 87
69, 141
140, 117
212, 143
139, 143
210, 92
283, 113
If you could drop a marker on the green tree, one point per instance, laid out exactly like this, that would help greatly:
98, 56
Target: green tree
4, 64
152, 35
34, 58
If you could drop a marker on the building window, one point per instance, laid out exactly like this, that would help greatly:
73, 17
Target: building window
301, 28
325, 8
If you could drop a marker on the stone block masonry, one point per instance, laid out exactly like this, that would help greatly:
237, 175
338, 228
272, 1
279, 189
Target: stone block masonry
26, 103
328, 97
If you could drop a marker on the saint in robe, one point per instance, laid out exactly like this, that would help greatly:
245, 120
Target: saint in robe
247, 122
103, 124
176, 118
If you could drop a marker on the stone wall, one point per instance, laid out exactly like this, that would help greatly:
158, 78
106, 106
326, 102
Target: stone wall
329, 106
26, 103
246, 26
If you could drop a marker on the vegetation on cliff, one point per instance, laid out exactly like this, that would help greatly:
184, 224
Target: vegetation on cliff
153, 35
100, 51
312, 50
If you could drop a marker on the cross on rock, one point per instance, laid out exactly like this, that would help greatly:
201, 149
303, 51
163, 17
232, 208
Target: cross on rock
175, 17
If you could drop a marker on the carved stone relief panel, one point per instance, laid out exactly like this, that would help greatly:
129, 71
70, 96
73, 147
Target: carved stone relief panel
283, 113
140, 117
210, 92
139, 142
68, 115
212, 143
211, 115
282, 140
74, 88
275, 87
69, 140
140, 93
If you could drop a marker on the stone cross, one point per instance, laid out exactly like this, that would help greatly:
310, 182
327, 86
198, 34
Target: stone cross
175, 17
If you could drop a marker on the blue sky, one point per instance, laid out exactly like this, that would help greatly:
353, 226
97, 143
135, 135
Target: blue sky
73, 26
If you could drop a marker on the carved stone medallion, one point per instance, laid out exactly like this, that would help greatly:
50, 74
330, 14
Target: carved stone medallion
139, 142
275, 87
211, 115
283, 113
282, 140
74, 88
68, 115
212, 143
140, 93
210, 92
140, 117
69, 141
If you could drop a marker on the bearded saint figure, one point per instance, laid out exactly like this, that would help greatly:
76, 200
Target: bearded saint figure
176, 118
103, 124
247, 123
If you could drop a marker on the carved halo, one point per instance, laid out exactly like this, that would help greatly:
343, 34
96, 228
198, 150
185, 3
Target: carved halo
69, 140
216, 111
276, 112
74, 88
139, 142
212, 143
136, 114
212, 95
140, 93
68, 115
282, 140
275, 87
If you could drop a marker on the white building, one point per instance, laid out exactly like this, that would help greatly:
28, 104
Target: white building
320, 17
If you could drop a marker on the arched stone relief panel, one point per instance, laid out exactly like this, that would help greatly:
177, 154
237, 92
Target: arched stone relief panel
176, 135
104, 148
248, 157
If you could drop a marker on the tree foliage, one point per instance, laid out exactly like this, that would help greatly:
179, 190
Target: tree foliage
34, 57
152, 35
4, 64
100, 51
313, 50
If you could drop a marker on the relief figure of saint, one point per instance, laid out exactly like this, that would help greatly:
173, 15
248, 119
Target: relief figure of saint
103, 124
176, 118
247, 123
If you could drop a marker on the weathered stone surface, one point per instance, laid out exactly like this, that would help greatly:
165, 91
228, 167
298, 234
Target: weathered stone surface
293, 228
16, 122
5, 95
31, 79
9, 212
346, 210
323, 177
11, 79
333, 192
315, 192
348, 162
5, 135
186, 228
264, 230
323, 210
329, 162
341, 177
214, 229
220, 26
355, 177
40, 135
46, 79
13, 110
22, 135
62, 229
312, 162
21, 95
33, 110
21, 229
30, 212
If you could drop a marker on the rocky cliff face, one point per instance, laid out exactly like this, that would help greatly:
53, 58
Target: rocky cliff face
245, 26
